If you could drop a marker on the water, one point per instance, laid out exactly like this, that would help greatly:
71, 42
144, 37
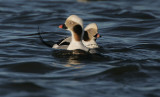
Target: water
130, 32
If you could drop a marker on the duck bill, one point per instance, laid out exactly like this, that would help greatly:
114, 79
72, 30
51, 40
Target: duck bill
98, 35
63, 26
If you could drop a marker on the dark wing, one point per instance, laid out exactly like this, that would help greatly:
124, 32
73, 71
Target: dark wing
65, 41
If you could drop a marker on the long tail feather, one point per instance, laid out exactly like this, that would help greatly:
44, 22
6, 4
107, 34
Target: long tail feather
42, 40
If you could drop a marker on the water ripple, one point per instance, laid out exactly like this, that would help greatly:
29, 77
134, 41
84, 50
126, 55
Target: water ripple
127, 64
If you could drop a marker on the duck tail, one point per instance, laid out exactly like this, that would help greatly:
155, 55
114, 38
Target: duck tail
47, 43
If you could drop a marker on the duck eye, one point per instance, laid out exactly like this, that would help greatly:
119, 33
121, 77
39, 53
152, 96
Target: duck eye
71, 22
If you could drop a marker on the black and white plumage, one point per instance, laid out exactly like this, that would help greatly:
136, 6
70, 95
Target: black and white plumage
89, 38
79, 40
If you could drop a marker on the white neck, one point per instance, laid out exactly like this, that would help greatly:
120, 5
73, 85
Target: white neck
90, 44
76, 44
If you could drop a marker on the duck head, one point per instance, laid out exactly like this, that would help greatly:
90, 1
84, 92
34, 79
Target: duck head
75, 25
91, 32
90, 36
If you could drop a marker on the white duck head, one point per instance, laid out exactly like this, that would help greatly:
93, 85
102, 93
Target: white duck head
90, 36
75, 25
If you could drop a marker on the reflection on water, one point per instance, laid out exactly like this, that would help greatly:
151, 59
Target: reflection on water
76, 66
74, 63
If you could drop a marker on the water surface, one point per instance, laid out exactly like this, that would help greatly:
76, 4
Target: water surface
130, 66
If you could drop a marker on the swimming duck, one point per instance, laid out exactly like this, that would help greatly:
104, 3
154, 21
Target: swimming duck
89, 38
74, 24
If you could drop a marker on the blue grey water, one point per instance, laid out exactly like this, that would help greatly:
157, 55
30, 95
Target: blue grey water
130, 66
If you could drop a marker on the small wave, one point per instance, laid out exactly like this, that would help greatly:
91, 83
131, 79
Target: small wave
118, 73
122, 73
138, 15
150, 35
121, 13
129, 28
149, 46
30, 67
154, 68
122, 70
22, 86
122, 50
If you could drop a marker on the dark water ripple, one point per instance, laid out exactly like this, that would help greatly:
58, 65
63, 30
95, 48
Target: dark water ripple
127, 66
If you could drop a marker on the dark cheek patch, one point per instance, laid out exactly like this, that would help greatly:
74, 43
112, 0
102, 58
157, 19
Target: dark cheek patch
64, 26
78, 32
85, 36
